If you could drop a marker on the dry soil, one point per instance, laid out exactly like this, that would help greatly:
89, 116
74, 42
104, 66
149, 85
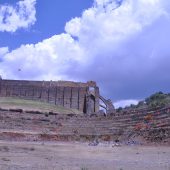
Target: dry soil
78, 156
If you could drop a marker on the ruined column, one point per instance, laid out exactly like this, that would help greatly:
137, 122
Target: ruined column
82, 95
92, 97
97, 94
74, 100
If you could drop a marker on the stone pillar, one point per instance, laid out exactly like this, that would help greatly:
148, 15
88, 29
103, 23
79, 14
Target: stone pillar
60, 96
52, 93
67, 97
90, 102
75, 97
97, 94
82, 95
92, 98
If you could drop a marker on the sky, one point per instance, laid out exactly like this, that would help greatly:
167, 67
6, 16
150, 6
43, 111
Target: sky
123, 45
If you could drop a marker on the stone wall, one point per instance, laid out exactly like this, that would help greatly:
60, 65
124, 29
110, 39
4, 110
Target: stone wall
65, 93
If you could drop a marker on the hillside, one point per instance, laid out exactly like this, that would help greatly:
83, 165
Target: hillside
32, 105
155, 101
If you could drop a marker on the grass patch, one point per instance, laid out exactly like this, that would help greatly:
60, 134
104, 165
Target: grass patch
17, 103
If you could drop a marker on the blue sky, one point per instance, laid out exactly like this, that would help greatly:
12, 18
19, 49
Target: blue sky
123, 45
51, 18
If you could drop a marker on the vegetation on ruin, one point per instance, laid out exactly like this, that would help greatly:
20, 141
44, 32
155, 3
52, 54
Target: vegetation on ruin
16, 103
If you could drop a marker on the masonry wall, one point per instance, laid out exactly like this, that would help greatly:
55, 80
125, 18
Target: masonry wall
64, 93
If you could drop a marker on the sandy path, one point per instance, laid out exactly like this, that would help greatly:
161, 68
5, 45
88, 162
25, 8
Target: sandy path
76, 156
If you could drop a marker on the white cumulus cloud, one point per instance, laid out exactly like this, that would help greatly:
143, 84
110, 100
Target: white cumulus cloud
106, 23
3, 51
113, 42
124, 103
45, 60
22, 15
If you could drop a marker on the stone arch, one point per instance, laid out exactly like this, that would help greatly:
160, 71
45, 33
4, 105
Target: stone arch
108, 106
103, 106
103, 103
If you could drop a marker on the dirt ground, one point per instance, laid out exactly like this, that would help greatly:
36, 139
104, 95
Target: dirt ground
77, 156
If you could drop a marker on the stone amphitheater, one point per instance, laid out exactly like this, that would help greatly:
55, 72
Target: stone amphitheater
135, 126
34, 126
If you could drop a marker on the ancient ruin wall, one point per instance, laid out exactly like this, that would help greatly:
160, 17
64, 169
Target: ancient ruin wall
67, 94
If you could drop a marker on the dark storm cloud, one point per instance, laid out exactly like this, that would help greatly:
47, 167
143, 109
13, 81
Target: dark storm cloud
136, 68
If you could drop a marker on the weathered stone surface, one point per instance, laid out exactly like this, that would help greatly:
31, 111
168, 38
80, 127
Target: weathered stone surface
119, 128
108, 105
68, 94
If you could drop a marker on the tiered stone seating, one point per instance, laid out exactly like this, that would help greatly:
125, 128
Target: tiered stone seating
81, 127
